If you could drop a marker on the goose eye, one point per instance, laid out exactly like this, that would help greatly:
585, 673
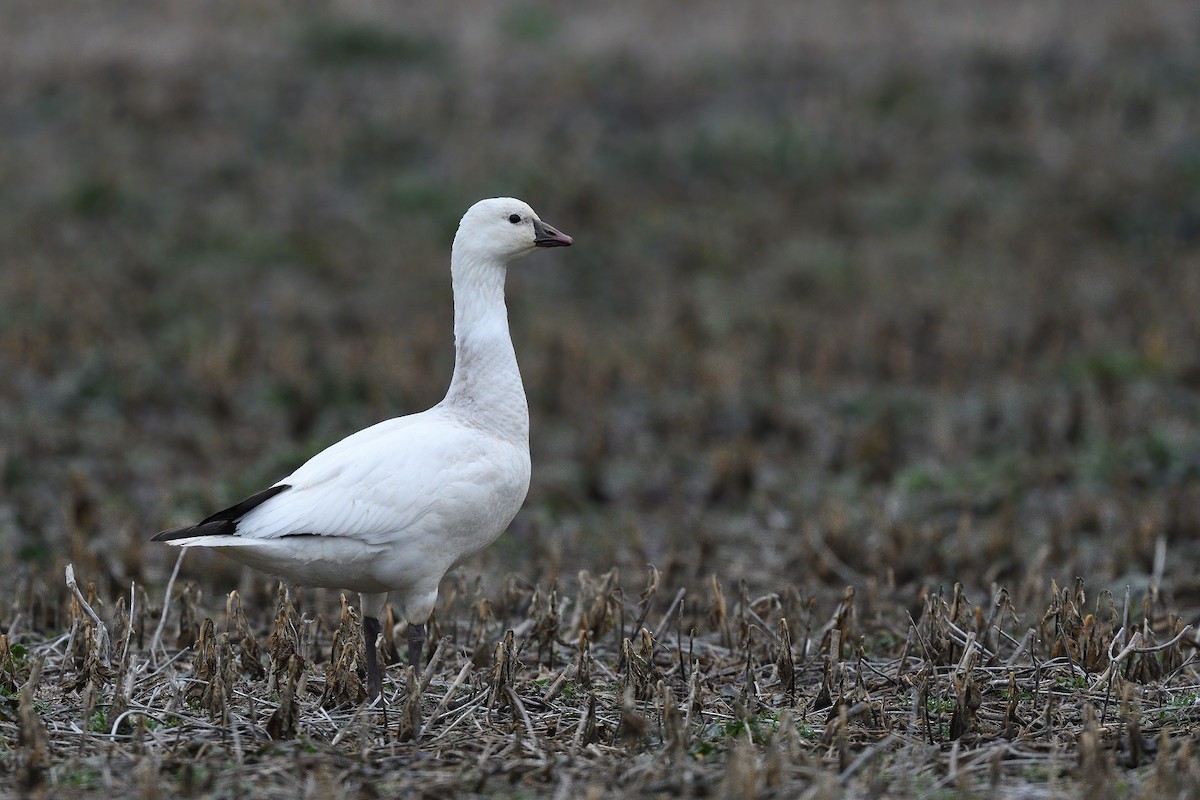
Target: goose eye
514, 218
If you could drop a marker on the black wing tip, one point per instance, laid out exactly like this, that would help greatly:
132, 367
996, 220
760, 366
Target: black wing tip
183, 532
222, 523
217, 528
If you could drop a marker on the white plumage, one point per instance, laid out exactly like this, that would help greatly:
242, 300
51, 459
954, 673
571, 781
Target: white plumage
395, 506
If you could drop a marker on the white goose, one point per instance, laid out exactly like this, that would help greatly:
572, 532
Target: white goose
397, 505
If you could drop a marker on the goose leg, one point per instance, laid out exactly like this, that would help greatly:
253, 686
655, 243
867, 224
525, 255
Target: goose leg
371, 629
416, 642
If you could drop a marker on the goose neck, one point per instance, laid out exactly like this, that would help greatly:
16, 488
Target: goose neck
486, 388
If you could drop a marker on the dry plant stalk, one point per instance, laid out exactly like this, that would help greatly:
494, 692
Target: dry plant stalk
345, 670
596, 604
89, 640
409, 726
33, 742
743, 775
121, 626
785, 664
743, 615
675, 732
123, 687
830, 678
13, 667
937, 639
1172, 657
646, 600
1012, 721
583, 664
222, 688
545, 614
248, 653
284, 641
640, 674
1002, 609
214, 665
189, 628
636, 708
285, 719
504, 667
718, 612
633, 725
205, 663
1095, 762
967, 697
587, 731
840, 630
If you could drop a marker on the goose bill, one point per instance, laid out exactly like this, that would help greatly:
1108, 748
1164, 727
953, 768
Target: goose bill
548, 236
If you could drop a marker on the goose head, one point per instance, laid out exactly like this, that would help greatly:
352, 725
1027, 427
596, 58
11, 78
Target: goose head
504, 228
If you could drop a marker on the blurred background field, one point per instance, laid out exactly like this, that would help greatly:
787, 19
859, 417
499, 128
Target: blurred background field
872, 294
917, 285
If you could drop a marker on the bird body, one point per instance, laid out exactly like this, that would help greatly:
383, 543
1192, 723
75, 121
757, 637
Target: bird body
390, 508
394, 507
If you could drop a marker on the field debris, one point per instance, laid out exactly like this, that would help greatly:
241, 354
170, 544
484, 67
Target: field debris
1075, 696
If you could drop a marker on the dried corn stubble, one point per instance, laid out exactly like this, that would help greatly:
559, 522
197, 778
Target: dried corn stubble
88, 646
285, 719
504, 667
284, 642
205, 662
408, 728
482, 618
1012, 721
123, 687
189, 628
674, 727
249, 654
633, 725
215, 672
14, 667
725, 694
121, 626
831, 677
1172, 658
718, 612
646, 599
936, 639
1094, 759
588, 730
744, 617
785, 663
544, 612
1094, 640
596, 605
1002, 611
34, 753
345, 671
841, 628
967, 700
583, 663
640, 672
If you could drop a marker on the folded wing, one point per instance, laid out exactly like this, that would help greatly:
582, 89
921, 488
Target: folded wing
368, 487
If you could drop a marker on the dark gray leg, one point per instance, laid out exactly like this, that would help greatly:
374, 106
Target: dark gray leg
371, 629
416, 642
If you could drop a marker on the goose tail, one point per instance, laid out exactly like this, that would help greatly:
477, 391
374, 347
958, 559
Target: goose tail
222, 523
